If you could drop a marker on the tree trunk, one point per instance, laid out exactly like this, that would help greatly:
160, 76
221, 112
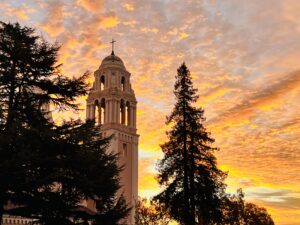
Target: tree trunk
192, 184
185, 172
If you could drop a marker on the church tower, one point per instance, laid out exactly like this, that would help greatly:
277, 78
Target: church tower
112, 104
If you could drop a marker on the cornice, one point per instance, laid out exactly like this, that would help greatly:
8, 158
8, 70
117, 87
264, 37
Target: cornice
119, 127
111, 93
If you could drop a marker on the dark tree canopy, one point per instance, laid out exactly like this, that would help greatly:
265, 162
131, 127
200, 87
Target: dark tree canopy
49, 169
238, 212
254, 215
30, 76
193, 185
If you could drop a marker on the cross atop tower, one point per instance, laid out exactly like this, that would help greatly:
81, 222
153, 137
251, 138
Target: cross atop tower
112, 46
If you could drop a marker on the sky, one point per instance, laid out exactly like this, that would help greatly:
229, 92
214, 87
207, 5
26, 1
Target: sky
244, 60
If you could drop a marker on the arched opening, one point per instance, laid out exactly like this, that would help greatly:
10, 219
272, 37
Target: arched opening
124, 153
123, 83
127, 112
122, 112
99, 112
102, 83
102, 112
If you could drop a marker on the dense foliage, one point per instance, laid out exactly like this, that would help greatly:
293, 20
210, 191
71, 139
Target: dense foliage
48, 171
151, 213
238, 212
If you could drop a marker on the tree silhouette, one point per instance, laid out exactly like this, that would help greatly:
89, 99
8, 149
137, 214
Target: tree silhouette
48, 170
255, 215
238, 212
193, 185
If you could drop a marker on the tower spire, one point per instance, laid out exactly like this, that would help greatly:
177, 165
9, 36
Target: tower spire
112, 46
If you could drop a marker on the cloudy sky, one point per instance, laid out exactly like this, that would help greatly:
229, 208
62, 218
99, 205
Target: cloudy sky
244, 58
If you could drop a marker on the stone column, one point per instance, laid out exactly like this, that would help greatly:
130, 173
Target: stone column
117, 111
134, 117
106, 111
87, 112
131, 116
113, 106
123, 119
109, 111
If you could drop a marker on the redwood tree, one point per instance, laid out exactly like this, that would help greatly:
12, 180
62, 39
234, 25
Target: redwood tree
193, 186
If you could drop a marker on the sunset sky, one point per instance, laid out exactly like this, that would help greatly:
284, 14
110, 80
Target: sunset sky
244, 57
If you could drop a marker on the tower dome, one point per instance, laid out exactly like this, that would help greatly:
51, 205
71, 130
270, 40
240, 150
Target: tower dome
112, 61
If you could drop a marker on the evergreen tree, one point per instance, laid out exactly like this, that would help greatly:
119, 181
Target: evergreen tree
193, 185
47, 170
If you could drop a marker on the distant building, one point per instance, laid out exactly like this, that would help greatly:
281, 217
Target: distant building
15, 220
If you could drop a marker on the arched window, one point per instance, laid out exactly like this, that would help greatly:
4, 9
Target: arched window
123, 83
127, 112
96, 112
122, 112
124, 153
99, 112
102, 83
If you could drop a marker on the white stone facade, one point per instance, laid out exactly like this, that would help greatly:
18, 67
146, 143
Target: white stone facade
112, 104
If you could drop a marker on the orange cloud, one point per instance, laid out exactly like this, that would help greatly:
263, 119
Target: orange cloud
128, 6
263, 98
151, 30
94, 6
183, 35
21, 12
110, 21
54, 22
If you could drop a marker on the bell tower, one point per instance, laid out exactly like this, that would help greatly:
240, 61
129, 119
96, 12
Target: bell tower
112, 104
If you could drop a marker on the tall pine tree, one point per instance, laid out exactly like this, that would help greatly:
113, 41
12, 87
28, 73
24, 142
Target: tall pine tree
47, 170
193, 185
